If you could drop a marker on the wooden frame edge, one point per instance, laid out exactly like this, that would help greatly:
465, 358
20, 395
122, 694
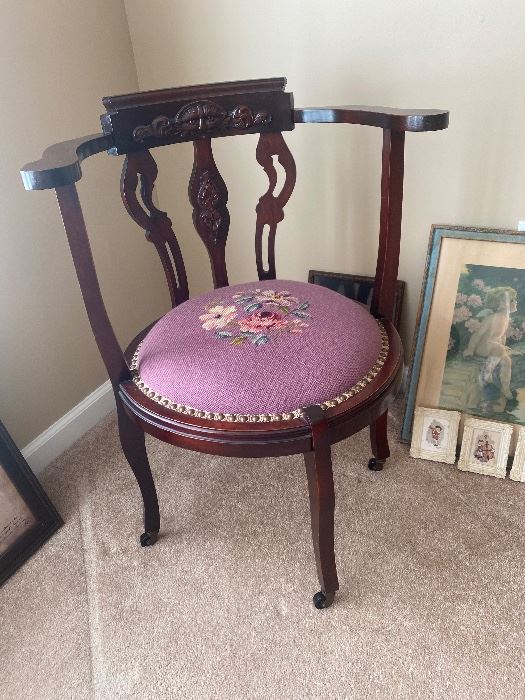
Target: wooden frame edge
31, 491
448, 454
499, 470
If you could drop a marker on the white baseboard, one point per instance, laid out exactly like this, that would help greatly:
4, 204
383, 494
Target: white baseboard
58, 437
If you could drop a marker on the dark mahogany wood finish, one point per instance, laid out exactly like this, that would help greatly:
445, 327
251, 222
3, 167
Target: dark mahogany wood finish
270, 209
208, 195
155, 222
135, 123
175, 115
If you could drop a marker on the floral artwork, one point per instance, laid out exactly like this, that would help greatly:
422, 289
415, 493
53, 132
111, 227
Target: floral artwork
255, 316
484, 371
485, 448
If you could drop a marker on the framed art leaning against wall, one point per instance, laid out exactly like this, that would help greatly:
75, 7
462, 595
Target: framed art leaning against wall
469, 345
27, 517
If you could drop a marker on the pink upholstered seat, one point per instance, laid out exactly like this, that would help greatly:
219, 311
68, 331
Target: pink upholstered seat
260, 349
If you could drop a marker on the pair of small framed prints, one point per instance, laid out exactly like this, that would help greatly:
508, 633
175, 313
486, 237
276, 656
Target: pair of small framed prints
484, 448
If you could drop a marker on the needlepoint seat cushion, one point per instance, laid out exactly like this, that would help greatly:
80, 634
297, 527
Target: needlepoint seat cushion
260, 351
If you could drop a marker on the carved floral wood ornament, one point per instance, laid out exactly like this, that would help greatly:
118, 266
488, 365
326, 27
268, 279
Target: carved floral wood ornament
208, 195
208, 198
201, 118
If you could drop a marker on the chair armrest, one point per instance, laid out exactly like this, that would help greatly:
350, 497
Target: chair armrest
60, 163
384, 117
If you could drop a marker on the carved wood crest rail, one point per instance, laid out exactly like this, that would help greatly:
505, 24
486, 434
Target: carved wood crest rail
201, 119
175, 115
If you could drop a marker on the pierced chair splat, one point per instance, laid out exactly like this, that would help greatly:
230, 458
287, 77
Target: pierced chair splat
268, 368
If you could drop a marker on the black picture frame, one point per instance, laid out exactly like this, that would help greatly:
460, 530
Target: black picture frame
47, 518
356, 287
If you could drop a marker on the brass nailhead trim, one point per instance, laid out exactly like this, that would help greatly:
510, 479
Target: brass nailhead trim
262, 417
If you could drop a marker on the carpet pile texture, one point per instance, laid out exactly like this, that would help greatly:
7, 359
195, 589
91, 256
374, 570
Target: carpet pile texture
431, 566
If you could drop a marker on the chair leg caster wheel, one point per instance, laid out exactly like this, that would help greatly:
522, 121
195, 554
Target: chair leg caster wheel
376, 465
147, 539
323, 600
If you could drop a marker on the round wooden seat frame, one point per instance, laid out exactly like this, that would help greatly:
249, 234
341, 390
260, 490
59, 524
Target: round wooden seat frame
136, 123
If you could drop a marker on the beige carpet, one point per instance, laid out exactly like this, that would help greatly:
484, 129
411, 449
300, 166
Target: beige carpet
431, 565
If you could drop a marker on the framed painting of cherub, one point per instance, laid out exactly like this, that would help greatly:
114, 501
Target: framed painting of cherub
469, 349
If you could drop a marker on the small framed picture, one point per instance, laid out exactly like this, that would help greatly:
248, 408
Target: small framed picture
518, 465
435, 434
485, 447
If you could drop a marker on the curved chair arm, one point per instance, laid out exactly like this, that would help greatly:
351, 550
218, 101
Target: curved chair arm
384, 117
60, 163
59, 169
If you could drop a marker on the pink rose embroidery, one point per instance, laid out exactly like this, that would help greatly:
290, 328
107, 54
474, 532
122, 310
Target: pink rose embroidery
262, 321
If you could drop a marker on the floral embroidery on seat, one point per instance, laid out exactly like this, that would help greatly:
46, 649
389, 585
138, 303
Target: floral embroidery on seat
262, 320
269, 312
218, 317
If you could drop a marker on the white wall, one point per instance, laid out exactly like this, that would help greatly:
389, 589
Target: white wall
58, 58
465, 56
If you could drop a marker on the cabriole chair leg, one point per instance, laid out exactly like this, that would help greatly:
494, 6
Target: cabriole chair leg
379, 443
322, 505
134, 446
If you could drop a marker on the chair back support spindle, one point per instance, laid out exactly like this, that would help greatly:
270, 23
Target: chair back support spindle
156, 224
208, 195
270, 209
141, 121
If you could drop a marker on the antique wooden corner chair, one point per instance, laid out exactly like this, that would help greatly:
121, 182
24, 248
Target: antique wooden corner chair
204, 376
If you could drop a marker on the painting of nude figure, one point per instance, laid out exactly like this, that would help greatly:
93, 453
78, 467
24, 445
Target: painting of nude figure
484, 371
